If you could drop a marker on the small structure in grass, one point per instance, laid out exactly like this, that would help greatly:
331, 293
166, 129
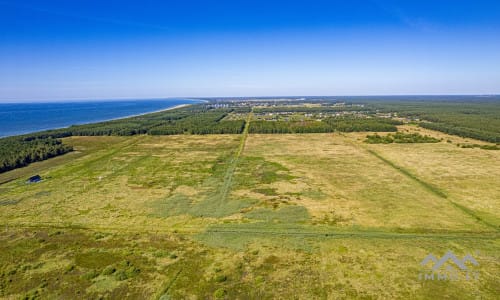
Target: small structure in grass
34, 179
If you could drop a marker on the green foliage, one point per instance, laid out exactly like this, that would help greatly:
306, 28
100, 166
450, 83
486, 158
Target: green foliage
220, 278
220, 293
462, 131
484, 147
16, 152
399, 137
69, 268
90, 275
132, 271
325, 108
121, 275
332, 124
357, 124
468, 118
288, 127
108, 270
196, 119
201, 122
378, 139
125, 271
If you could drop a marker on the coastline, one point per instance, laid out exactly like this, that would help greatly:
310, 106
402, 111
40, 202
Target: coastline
147, 113
195, 101
137, 115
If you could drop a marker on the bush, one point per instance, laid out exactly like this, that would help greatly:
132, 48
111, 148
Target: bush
132, 272
401, 138
220, 293
69, 268
121, 275
90, 275
108, 270
220, 278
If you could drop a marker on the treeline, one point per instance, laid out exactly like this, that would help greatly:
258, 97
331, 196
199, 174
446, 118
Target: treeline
400, 137
468, 118
208, 122
17, 152
289, 127
342, 124
311, 109
467, 132
356, 124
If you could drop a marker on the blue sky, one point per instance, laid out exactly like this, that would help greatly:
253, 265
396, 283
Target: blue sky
55, 50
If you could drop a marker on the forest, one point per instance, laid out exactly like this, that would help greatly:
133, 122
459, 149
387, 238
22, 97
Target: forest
16, 152
468, 118
312, 109
341, 124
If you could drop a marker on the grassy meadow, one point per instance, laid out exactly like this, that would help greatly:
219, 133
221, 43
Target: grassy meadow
250, 216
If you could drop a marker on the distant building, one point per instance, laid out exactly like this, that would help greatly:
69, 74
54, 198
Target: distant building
34, 179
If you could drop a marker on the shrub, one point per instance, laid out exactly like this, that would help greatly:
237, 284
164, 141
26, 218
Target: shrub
220, 293
108, 270
220, 278
90, 275
121, 275
132, 272
401, 138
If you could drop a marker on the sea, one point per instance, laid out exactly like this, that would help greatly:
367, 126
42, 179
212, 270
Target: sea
21, 118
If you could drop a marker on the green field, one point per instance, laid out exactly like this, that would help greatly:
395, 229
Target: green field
250, 216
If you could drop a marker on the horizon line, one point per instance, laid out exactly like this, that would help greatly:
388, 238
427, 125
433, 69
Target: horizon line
11, 101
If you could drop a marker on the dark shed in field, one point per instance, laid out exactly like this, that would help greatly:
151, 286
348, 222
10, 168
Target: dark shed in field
34, 179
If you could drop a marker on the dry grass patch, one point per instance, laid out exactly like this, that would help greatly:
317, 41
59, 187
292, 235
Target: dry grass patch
358, 187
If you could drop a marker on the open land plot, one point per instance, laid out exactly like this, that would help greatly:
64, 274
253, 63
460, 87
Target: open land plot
336, 177
312, 216
115, 186
467, 176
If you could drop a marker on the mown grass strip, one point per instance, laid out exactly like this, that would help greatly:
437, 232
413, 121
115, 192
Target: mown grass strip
355, 234
228, 176
263, 229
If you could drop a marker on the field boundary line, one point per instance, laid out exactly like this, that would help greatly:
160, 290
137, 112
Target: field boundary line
228, 176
